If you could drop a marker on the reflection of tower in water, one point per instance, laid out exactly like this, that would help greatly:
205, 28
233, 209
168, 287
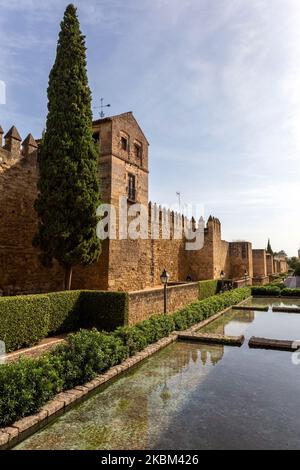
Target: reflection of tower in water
211, 354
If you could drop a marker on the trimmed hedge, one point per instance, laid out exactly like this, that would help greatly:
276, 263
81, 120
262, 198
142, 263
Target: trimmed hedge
64, 311
24, 320
290, 292
275, 291
103, 310
28, 384
201, 310
208, 289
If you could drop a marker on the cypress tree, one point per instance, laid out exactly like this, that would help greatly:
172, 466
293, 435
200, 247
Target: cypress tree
269, 248
68, 189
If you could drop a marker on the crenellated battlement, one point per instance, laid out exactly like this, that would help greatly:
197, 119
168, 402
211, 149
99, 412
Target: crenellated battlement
167, 224
187, 248
12, 148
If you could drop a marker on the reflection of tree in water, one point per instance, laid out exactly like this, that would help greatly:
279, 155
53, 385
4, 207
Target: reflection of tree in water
212, 356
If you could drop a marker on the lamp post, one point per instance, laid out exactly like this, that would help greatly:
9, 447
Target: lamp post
165, 279
222, 274
246, 276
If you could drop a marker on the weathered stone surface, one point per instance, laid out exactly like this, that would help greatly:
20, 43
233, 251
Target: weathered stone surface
267, 343
258, 309
4, 438
286, 309
26, 423
53, 406
212, 339
11, 431
82, 389
126, 264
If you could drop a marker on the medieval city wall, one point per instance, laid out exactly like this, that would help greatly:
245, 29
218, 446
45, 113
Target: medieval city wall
144, 304
241, 260
20, 268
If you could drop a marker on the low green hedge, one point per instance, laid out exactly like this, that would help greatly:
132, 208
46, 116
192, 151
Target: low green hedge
24, 320
64, 311
274, 291
208, 289
201, 310
28, 384
290, 292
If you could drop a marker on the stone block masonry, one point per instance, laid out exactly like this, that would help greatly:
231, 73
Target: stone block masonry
125, 264
143, 304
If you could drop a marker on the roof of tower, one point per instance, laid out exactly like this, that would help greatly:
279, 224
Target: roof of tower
13, 133
30, 141
116, 116
1, 130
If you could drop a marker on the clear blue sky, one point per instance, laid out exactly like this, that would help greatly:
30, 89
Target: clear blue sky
215, 84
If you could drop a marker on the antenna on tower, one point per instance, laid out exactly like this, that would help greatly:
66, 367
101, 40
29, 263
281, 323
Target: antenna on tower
102, 107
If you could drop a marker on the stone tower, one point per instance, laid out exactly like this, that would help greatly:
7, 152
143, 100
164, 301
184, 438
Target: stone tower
123, 171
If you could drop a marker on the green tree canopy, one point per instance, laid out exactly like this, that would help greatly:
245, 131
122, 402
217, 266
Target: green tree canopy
68, 189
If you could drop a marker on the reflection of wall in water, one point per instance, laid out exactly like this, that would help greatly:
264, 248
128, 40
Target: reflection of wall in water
245, 316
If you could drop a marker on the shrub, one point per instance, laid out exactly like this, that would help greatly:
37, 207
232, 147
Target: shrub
208, 288
133, 338
24, 320
64, 311
28, 384
274, 291
279, 283
86, 354
198, 311
25, 386
103, 310
290, 292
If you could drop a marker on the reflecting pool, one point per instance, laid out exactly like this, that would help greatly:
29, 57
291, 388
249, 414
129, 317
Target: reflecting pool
272, 302
274, 325
188, 396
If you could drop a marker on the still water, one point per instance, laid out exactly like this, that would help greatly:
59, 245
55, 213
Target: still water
193, 396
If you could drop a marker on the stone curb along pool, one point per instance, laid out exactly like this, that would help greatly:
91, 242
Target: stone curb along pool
20, 430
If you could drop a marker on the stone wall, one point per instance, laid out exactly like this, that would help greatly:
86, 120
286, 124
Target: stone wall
144, 304
20, 268
259, 263
241, 260
128, 265
270, 264
260, 276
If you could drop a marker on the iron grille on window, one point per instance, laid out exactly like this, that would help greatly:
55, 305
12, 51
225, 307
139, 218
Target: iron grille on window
131, 188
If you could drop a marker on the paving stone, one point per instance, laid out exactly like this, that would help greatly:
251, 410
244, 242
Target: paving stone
53, 407
82, 389
4, 438
65, 398
26, 423
12, 432
76, 394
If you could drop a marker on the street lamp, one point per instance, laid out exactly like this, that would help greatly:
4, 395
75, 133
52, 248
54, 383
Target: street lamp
165, 279
222, 274
246, 276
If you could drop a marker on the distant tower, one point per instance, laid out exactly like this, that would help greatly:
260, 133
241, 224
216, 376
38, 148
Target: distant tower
299, 253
